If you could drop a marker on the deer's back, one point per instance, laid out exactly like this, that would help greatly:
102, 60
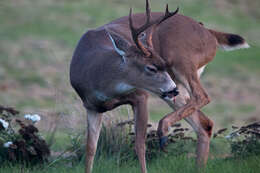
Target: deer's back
177, 36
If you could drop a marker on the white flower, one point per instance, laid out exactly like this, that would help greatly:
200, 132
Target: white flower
232, 135
34, 118
7, 144
228, 136
4, 123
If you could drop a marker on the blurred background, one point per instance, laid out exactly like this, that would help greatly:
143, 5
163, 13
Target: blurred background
38, 37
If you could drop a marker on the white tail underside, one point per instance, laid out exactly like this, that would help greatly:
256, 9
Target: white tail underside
230, 48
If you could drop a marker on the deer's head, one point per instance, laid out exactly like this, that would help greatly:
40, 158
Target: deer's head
143, 66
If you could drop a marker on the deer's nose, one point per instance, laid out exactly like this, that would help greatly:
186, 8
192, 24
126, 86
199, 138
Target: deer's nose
171, 94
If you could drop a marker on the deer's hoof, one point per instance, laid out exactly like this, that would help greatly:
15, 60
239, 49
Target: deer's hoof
163, 141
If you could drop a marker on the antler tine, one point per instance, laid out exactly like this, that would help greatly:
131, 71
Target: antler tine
137, 31
168, 14
148, 17
148, 12
158, 22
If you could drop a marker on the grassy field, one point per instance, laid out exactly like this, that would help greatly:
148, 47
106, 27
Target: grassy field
37, 41
165, 165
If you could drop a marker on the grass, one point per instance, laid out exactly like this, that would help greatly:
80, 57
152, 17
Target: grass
165, 165
220, 159
37, 41
236, 63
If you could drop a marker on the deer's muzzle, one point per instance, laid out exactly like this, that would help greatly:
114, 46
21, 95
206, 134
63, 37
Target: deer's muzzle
171, 94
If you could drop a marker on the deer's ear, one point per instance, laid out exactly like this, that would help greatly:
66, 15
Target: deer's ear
120, 44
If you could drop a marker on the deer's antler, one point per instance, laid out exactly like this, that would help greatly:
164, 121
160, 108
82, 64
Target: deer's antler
137, 31
158, 22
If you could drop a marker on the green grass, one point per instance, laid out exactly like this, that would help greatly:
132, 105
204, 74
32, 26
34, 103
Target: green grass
236, 63
166, 165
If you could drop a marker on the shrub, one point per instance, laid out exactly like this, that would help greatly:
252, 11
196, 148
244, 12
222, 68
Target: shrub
244, 141
19, 139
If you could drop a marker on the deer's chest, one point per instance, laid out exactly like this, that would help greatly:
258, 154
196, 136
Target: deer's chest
119, 89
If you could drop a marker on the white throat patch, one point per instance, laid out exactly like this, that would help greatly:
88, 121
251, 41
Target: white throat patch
123, 87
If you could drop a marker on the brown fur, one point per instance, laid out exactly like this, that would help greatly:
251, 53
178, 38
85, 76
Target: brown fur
206, 123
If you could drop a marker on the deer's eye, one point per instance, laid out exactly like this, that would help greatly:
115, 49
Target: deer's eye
151, 69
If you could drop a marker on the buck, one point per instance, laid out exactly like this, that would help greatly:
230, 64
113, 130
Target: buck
110, 68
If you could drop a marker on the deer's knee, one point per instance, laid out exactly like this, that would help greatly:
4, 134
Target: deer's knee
91, 151
207, 125
204, 99
201, 100
207, 99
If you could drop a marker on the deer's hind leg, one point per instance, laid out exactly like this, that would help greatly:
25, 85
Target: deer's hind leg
203, 126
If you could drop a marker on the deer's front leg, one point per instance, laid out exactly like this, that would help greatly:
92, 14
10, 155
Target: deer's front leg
167, 121
138, 101
139, 106
94, 125
201, 124
198, 98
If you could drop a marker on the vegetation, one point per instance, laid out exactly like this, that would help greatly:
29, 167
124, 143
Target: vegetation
37, 41
120, 157
21, 145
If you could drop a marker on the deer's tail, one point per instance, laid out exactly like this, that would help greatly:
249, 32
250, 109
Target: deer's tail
228, 42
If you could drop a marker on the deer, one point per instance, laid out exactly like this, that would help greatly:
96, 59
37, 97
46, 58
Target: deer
186, 47
109, 69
